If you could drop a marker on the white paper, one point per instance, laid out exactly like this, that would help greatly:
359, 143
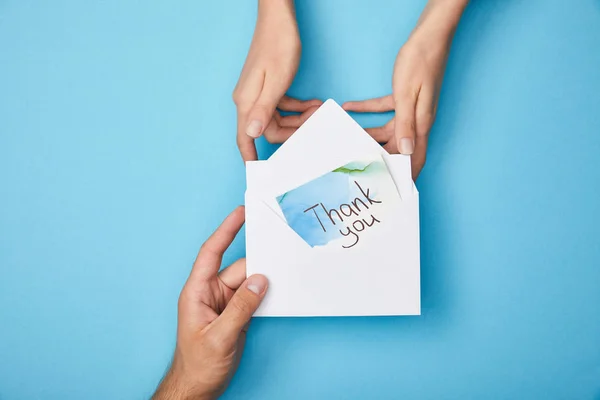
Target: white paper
378, 278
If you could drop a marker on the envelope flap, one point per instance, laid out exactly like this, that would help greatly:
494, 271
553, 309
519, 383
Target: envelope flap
329, 135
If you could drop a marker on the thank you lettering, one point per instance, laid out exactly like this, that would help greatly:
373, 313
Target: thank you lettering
350, 219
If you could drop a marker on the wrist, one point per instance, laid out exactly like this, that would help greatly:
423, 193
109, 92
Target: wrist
276, 24
454, 8
440, 18
277, 9
175, 386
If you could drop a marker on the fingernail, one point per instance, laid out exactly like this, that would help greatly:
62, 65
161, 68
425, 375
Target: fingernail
406, 145
254, 129
257, 284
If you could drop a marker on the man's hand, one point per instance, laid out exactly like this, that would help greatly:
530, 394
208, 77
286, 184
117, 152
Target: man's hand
269, 70
214, 311
416, 84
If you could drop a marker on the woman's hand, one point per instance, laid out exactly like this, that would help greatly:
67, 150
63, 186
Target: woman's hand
269, 70
214, 311
416, 84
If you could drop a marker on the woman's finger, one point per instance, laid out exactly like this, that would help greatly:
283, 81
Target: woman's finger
391, 147
424, 117
288, 103
276, 133
418, 157
245, 143
381, 134
405, 125
425, 109
294, 121
378, 104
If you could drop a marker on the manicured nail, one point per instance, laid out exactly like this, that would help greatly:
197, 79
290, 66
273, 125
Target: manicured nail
254, 129
257, 284
406, 145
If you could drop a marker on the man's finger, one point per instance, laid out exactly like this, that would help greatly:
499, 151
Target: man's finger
378, 104
211, 253
234, 275
405, 122
292, 104
241, 307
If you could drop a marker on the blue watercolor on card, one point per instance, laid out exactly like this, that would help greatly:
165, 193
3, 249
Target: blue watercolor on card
341, 203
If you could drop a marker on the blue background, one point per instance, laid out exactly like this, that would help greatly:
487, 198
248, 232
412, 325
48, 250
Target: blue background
118, 158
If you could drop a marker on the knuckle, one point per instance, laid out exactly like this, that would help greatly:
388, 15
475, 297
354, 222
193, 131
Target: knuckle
235, 96
208, 247
183, 301
203, 249
240, 98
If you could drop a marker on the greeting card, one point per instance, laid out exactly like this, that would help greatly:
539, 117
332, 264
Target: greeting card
332, 220
342, 206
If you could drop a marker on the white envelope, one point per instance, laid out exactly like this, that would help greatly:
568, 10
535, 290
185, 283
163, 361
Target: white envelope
381, 277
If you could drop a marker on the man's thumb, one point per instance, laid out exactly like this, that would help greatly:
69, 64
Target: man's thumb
242, 305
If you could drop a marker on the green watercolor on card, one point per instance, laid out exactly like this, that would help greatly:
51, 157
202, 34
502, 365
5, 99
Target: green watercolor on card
348, 169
